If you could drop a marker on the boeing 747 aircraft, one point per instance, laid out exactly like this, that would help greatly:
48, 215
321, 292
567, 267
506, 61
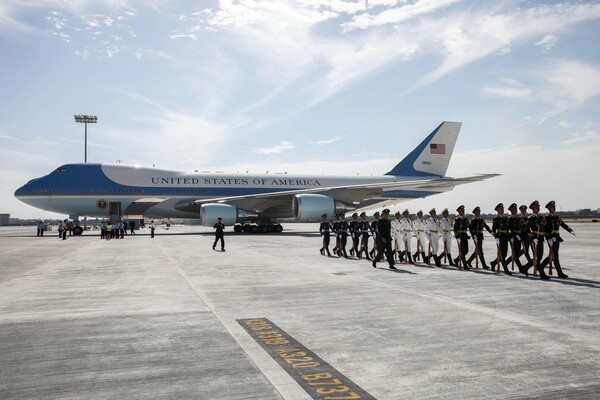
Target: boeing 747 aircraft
101, 190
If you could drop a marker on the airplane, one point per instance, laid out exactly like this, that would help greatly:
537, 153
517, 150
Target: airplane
109, 190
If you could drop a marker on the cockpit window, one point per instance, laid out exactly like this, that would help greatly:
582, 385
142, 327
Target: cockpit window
61, 169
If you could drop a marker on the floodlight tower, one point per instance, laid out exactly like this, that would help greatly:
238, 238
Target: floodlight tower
86, 119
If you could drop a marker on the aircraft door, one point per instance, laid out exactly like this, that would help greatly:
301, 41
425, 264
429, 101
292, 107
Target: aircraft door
115, 211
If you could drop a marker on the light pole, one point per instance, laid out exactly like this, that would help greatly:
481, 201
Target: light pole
86, 119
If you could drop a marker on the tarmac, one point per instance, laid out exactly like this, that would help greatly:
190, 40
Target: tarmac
271, 318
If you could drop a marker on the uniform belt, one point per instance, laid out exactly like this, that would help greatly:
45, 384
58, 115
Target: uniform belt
420, 230
445, 230
555, 231
537, 232
433, 231
479, 231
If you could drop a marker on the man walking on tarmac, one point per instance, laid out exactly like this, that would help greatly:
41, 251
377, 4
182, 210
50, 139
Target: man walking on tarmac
385, 233
220, 227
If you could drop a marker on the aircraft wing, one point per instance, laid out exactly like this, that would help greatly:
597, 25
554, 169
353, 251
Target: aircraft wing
355, 196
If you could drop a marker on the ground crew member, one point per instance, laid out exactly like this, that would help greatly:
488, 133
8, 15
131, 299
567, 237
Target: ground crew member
446, 228
354, 234
502, 235
397, 235
553, 224
419, 229
384, 228
102, 229
516, 239
109, 228
363, 227
461, 226
536, 227
407, 233
375, 233
219, 234
152, 227
40, 228
476, 227
432, 231
325, 230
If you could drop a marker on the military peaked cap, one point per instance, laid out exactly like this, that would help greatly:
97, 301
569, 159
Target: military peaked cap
476, 209
420, 212
376, 213
534, 204
460, 208
324, 215
405, 210
432, 210
498, 206
355, 214
551, 204
513, 205
445, 210
523, 207
387, 210
363, 213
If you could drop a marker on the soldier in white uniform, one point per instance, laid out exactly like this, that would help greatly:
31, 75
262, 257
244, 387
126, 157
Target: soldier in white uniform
407, 233
432, 230
446, 228
419, 230
397, 235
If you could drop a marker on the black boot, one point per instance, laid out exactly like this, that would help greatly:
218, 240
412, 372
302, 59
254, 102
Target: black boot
416, 256
367, 254
327, 250
466, 266
401, 256
438, 263
543, 275
410, 260
559, 270
322, 251
506, 271
450, 261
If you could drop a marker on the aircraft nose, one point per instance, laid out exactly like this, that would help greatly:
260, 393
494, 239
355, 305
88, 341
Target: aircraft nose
20, 191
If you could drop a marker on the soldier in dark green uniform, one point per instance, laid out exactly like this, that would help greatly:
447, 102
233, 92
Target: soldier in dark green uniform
354, 234
384, 227
461, 226
343, 232
363, 228
536, 225
476, 227
502, 235
325, 229
515, 227
553, 225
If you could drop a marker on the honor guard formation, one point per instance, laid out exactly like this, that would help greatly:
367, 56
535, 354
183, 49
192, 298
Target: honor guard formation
525, 235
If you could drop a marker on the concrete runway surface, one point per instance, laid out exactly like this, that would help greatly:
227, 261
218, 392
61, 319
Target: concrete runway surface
171, 318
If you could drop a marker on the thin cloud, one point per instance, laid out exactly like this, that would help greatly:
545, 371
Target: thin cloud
280, 148
547, 42
510, 88
326, 141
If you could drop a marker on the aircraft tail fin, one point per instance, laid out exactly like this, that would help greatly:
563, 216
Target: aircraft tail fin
432, 156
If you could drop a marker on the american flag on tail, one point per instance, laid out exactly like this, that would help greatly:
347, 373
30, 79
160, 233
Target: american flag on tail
437, 148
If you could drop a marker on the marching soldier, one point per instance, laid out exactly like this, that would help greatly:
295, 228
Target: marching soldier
515, 229
501, 233
363, 228
343, 230
446, 228
385, 235
432, 231
325, 229
419, 229
536, 226
354, 234
526, 242
375, 233
476, 227
397, 235
553, 224
461, 230
407, 232
336, 231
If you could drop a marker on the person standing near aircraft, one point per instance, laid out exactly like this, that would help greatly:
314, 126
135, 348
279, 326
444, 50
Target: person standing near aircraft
446, 228
385, 233
553, 225
501, 234
219, 234
432, 231
536, 225
363, 227
397, 235
407, 233
40, 228
152, 228
419, 229
516, 239
476, 227
132, 227
461, 226
109, 229
102, 229
325, 231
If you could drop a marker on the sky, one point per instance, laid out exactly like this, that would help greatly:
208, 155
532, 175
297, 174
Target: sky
307, 87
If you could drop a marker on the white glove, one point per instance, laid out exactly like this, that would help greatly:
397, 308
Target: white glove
497, 241
550, 242
475, 239
572, 233
518, 237
535, 241
512, 239
458, 241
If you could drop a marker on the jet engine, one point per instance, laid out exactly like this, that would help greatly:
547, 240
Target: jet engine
312, 206
210, 212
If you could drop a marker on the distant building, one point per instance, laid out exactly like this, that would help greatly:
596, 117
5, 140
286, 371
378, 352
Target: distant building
4, 219
584, 211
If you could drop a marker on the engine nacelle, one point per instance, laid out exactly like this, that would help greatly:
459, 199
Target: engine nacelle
210, 212
312, 206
